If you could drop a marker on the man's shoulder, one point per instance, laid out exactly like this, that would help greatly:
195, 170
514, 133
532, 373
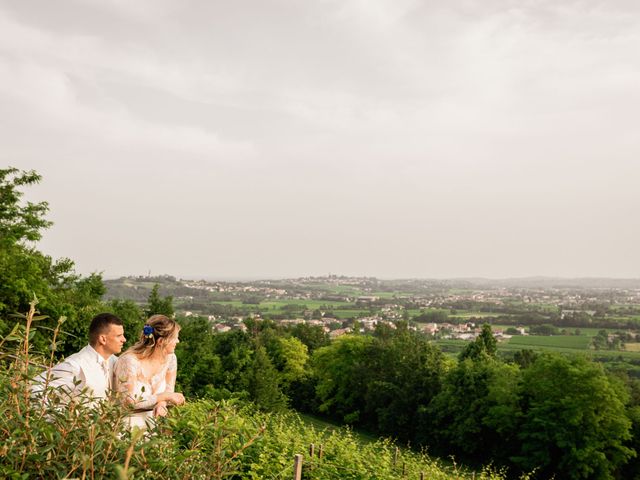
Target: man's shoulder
75, 358
79, 356
85, 359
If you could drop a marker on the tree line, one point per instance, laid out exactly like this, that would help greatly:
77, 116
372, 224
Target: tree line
552, 413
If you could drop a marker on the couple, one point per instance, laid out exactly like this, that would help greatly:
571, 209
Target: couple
144, 376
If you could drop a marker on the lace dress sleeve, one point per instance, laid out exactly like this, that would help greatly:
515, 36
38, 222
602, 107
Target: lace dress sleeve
126, 373
172, 370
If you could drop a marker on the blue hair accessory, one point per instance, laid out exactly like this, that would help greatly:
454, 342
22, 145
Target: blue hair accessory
147, 330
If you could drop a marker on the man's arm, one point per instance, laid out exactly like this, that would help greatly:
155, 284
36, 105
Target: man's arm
66, 378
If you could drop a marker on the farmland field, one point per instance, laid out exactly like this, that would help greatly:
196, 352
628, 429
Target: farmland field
279, 304
580, 342
559, 343
351, 313
469, 314
632, 347
388, 295
304, 304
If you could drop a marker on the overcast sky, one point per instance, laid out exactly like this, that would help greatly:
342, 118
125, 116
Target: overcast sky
393, 138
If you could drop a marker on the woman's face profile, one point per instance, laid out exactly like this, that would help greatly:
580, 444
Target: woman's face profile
171, 342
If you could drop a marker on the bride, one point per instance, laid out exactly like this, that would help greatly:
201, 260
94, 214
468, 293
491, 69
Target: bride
145, 375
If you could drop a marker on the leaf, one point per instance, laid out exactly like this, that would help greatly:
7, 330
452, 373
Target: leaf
10, 336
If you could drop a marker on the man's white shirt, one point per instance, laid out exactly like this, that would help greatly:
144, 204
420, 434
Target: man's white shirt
85, 369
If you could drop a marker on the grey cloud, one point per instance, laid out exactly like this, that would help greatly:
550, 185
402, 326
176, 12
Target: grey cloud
391, 138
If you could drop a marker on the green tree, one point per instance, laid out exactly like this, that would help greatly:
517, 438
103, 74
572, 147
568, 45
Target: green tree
157, 304
264, 383
25, 271
341, 370
433, 316
313, 336
544, 329
20, 222
475, 415
236, 352
290, 357
405, 373
574, 421
199, 366
525, 357
485, 345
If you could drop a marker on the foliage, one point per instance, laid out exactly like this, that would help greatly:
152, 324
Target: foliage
405, 373
475, 414
264, 383
574, 421
484, 346
602, 341
158, 305
432, 316
200, 367
25, 271
290, 358
341, 371
544, 329
18, 222
343, 456
313, 336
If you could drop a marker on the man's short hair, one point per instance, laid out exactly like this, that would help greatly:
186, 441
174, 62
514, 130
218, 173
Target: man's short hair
100, 325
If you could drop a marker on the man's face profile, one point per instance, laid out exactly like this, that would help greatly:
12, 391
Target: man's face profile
113, 339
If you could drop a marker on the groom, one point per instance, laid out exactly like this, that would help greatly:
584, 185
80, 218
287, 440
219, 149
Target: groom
92, 367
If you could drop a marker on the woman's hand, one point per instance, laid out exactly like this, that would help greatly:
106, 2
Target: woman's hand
160, 409
176, 398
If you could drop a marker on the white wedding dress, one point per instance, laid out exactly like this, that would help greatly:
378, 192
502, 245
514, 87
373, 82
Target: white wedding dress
141, 390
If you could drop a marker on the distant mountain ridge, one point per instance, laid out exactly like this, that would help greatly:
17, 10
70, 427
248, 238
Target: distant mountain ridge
464, 282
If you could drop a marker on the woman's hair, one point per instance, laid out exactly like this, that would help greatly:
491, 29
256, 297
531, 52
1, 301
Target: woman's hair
161, 326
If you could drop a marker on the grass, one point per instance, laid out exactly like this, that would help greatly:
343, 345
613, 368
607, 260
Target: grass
323, 425
556, 343
579, 342
469, 314
304, 304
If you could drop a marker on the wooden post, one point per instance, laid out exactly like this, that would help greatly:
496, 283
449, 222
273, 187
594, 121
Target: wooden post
404, 469
421, 475
297, 467
320, 451
312, 449
395, 457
